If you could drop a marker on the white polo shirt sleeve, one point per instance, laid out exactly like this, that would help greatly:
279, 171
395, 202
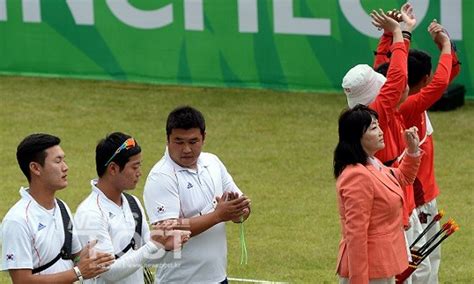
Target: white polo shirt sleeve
16, 246
161, 197
91, 225
228, 184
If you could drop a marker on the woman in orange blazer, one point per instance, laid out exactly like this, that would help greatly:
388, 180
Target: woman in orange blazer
370, 198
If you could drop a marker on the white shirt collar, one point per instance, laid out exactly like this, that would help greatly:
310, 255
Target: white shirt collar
25, 194
375, 162
104, 197
200, 163
429, 126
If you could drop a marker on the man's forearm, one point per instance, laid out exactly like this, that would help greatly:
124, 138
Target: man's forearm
201, 223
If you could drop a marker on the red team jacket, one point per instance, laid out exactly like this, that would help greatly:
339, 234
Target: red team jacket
390, 120
413, 112
386, 101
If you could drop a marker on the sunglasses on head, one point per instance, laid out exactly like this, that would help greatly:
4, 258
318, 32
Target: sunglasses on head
128, 144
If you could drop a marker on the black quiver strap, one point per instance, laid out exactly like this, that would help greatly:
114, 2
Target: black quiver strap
65, 252
136, 240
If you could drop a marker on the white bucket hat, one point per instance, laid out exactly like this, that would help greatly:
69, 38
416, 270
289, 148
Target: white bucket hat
362, 84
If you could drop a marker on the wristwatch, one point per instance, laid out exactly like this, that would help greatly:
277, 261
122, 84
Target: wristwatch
80, 279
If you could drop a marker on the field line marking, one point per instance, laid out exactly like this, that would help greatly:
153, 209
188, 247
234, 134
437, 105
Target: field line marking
254, 280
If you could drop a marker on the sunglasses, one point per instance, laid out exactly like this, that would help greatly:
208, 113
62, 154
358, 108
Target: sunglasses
128, 144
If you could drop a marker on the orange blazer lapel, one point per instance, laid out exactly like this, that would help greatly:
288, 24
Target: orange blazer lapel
387, 179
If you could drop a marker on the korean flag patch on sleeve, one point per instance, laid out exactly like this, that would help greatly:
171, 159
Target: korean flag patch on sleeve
160, 209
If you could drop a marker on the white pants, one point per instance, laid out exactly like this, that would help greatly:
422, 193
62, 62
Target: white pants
422, 273
430, 210
390, 280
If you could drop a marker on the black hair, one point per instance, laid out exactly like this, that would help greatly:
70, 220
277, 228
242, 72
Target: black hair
106, 148
185, 117
383, 68
33, 149
419, 65
353, 123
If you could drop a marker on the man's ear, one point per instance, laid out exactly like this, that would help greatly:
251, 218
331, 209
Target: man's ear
203, 137
113, 168
427, 79
35, 168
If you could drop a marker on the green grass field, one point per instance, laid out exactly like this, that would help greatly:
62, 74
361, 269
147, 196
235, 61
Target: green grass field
278, 147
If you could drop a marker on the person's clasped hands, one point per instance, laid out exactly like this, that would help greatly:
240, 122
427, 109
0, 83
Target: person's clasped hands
438, 34
231, 207
405, 17
92, 263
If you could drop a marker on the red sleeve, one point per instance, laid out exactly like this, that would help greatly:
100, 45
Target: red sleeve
382, 54
406, 172
383, 49
390, 93
456, 65
421, 101
407, 44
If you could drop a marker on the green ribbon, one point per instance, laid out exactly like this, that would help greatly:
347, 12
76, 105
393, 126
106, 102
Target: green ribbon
243, 245
76, 259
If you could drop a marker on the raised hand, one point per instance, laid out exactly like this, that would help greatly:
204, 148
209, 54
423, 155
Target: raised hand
408, 16
382, 21
412, 139
395, 14
438, 34
92, 263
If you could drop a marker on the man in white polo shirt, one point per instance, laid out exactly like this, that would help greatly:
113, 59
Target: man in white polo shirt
35, 246
107, 214
195, 188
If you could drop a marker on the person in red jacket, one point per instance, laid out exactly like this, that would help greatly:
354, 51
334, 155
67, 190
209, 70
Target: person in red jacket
425, 90
363, 85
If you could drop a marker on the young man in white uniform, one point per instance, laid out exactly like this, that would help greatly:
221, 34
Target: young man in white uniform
106, 214
196, 188
33, 231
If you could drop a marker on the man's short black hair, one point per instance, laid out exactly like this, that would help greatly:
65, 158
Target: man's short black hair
419, 66
383, 68
185, 117
33, 149
106, 148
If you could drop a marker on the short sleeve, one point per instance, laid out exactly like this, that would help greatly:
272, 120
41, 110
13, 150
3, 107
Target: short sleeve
228, 184
91, 225
161, 197
16, 246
